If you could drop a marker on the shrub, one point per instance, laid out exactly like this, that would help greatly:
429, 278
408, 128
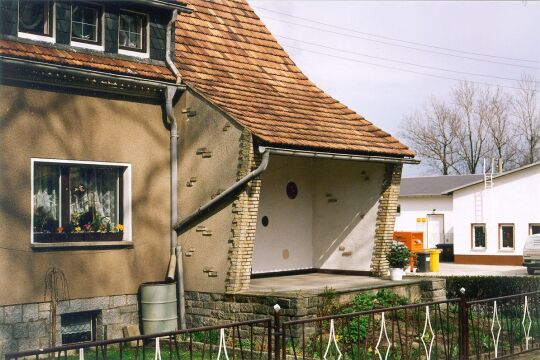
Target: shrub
398, 256
484, 287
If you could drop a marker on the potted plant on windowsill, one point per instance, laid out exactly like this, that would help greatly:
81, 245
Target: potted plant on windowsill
398, 258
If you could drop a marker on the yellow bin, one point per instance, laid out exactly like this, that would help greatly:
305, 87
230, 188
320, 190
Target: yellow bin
434, 260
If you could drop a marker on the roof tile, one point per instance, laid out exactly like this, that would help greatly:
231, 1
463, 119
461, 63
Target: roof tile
225, 52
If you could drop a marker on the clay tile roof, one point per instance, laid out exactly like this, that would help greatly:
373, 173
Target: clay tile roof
225, 52
83, 60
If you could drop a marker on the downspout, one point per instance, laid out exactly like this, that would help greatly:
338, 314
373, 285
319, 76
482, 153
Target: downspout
184, 224
175, 263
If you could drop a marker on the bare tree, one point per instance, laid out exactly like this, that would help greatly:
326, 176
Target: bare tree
525, 108
432, 134
501, 130
472, 110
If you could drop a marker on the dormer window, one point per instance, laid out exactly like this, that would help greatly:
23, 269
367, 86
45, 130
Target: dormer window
132, 32
86, 24
36, 20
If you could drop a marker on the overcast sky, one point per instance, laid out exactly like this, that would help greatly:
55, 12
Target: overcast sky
338, 45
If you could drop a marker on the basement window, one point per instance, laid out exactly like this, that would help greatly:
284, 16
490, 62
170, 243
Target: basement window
478, 233
78, 327
80, 201
506, 236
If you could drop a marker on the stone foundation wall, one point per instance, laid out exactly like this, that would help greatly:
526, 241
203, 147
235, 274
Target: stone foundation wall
27, 326
206, 309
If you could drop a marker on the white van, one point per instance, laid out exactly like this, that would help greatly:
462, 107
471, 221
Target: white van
531, 253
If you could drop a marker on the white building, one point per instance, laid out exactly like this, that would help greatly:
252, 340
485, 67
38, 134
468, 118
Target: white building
423, 206
493, 218
486, 218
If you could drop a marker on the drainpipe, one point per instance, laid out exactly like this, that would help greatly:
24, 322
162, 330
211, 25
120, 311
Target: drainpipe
183, 225
175, 263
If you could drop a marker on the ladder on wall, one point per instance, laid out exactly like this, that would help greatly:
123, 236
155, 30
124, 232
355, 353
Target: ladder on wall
482, 197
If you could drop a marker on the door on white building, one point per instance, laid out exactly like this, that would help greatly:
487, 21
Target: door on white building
435, 230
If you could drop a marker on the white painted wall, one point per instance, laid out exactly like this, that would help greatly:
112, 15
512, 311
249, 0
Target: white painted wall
413, 208
290, 221
336, 207
514, 198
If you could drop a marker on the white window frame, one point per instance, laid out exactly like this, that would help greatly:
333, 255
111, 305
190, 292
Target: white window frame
101, 20
43, 38
500, 231
473, 238
127, 212
139, 54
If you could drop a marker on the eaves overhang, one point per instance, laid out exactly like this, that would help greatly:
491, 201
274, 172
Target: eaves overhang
42, 73
166, 4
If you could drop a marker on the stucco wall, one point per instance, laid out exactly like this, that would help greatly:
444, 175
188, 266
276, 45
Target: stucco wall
286, 243
413, 208
329, 225
205, 252
346, 200
514, 198
72, 127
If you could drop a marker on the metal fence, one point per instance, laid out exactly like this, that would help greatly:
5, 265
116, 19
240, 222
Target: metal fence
248, 340
452, 329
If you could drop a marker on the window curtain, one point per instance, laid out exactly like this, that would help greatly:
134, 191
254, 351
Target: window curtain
46, 198
93, 196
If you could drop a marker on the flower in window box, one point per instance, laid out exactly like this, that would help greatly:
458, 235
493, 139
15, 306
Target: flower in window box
120, 227
60, 229
87, 227
77, 229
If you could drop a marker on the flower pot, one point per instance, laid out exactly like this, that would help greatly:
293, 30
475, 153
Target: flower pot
396, 274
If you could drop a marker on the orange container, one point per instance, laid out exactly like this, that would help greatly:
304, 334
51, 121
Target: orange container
414, 240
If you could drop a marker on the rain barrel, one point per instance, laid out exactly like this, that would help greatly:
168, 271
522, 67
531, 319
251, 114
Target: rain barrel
158, 307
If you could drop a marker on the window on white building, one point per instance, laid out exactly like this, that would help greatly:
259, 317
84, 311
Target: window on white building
506, 236
478, 234
534, 229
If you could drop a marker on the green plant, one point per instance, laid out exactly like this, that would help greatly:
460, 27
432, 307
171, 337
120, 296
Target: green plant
398, 256
328, 302
483, 287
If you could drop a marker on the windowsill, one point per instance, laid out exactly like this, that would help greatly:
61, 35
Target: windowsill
509, 250
43, 38
482, 249
138, 54
84, 45
83, 245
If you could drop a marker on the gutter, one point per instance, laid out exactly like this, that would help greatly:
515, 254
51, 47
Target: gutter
86, 72
337, 156
175, 263
185, 224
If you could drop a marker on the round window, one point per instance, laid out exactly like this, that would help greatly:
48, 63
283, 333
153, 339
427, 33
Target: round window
292, 190
264, 221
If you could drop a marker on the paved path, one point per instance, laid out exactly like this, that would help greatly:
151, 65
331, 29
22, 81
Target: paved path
451, 269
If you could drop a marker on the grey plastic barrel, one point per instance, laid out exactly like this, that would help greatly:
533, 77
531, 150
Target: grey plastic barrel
158, 307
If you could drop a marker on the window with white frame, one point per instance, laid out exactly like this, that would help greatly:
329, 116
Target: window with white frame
79, 201
478, 233
534, 229
132, 31
506, 236
86, 23
36, 19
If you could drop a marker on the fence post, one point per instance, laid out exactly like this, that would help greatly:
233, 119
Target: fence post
277, 332
463, 326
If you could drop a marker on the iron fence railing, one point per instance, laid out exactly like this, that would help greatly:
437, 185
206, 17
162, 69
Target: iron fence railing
248, 340
416, 331
503, 327
443, 330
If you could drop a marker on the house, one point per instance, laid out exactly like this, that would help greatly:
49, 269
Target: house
424, 206
85, 163
493, 218
487, 218
123, 164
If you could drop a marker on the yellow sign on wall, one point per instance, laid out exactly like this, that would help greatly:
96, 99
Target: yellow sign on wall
421, 220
